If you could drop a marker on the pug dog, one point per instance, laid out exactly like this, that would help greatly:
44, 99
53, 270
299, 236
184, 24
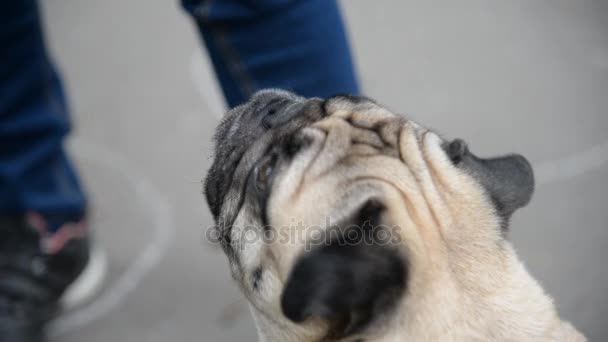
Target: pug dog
343, 221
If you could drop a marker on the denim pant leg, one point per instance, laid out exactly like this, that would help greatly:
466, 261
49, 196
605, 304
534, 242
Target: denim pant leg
35, 173
299, 45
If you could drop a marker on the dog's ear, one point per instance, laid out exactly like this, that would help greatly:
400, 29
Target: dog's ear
509, 180
350, 280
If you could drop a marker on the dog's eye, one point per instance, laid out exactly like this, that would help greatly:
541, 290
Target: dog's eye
263, 172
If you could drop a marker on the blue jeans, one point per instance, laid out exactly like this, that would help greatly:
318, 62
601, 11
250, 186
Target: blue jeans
298, 45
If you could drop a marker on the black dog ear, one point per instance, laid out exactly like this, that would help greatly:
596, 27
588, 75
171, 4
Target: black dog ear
349, 281
509, 180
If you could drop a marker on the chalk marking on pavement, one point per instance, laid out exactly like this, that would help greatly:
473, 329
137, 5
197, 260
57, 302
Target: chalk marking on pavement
573, 165
149, 257
546, 172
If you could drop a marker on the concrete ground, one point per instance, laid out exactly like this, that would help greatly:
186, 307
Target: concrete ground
525, 76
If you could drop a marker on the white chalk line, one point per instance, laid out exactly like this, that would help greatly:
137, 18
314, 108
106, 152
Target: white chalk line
573, 165
145, 261
546, 172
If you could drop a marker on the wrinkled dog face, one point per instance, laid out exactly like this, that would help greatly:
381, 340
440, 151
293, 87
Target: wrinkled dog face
337, 213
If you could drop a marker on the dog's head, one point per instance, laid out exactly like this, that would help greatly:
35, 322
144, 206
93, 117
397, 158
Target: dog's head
335, 213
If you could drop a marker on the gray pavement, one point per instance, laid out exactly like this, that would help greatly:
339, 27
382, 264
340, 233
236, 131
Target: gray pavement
525, 76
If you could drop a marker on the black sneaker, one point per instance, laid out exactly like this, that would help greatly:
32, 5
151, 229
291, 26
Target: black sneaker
36, 269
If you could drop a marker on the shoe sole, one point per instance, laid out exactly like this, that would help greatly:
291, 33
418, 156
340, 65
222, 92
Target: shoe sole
89, 282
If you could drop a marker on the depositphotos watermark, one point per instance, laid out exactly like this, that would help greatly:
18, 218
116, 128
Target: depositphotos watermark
309, 236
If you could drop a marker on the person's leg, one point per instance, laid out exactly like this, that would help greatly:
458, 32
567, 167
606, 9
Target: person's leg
43, 241
298, 45
35, 173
